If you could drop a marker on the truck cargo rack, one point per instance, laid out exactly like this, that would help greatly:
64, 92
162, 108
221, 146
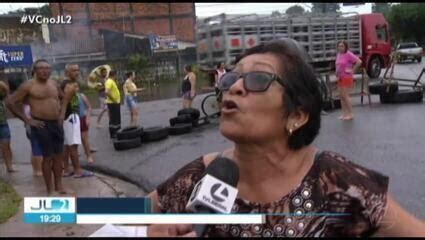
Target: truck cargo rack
222, 37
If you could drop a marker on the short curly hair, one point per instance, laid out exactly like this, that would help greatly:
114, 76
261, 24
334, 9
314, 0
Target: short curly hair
302, 90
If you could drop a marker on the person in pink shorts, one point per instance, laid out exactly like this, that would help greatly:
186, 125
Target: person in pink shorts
346, 64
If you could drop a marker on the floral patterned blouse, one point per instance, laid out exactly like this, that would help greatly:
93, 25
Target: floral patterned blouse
335, 198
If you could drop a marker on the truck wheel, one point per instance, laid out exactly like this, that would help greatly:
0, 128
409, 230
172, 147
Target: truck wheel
374, 68
195, 113
154, 134
127, 144
179, 129
129, 133
184, 118
419, 59
378, 88
403, 96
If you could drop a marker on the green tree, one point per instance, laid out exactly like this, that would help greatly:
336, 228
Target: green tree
323, 8
17, 12
45, 10
295, 10
139, 64
383, 8
406, 22
276, 14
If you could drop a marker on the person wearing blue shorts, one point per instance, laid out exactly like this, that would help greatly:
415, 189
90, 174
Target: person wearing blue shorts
130, 92
4, 129
36, 151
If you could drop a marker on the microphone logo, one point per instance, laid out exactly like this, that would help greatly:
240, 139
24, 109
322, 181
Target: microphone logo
219, 192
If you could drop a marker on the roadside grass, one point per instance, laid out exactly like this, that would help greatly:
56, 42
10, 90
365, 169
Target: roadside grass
9, 201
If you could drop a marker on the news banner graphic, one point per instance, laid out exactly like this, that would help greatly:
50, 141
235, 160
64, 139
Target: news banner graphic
69, 210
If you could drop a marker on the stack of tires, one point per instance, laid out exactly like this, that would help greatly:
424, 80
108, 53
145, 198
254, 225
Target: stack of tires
153, 134
128, 138
184, 122
390, 93
133, 137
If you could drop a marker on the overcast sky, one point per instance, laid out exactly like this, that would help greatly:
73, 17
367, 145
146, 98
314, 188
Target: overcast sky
210, 9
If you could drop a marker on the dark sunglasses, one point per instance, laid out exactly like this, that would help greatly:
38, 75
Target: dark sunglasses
252, 81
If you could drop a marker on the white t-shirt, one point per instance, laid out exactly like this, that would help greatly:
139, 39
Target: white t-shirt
219, 75
27, 110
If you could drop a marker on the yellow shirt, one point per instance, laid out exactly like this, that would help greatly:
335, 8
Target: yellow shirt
112, 87
130, 88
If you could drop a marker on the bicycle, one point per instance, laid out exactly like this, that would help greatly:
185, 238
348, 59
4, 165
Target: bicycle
210, 105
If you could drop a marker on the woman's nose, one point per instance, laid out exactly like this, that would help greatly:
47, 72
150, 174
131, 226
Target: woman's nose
237, 88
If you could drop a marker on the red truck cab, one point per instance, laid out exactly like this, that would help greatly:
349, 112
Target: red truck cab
376, 44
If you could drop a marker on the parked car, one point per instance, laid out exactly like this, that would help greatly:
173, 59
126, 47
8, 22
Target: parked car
409, 50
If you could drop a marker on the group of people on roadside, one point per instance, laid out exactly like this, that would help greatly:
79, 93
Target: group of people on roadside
57, 120
57, 117
110, 99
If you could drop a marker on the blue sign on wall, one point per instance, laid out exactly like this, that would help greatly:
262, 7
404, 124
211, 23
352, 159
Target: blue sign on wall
163, 42
15, 56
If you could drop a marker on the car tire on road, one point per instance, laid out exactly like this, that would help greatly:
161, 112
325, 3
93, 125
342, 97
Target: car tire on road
403, 96
129, 133
184, 118
419, 59
154, 134
179, 129
195, 113
125, 144
378, 87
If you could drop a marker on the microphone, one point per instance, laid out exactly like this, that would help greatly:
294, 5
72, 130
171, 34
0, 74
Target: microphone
216, 191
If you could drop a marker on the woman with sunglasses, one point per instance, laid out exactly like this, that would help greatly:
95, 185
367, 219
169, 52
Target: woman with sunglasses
346, 64
271, 109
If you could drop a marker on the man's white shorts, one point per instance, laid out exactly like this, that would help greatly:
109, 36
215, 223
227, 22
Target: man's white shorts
72, 131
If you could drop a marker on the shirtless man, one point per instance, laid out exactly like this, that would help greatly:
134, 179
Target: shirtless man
47, 119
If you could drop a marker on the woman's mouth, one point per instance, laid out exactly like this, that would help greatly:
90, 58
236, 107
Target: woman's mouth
229, 106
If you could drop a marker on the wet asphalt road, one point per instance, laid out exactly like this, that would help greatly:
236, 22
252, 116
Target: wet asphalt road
386, 138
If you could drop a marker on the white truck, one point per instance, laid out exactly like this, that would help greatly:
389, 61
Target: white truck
409, 50
221, 38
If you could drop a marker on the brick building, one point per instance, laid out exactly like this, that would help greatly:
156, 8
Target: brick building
177, 19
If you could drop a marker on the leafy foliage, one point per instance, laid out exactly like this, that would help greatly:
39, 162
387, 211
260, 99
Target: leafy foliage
139, 64
323, 8
407, 22
295, 10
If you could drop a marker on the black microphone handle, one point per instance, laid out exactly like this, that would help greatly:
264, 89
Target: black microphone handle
200, 229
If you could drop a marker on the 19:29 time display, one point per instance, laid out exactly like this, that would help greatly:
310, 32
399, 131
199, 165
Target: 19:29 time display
50, 218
